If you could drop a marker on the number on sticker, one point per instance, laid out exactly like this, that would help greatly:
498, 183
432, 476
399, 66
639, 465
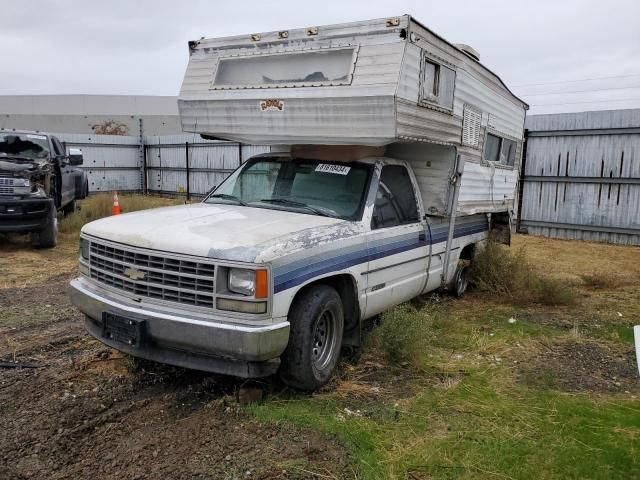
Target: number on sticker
330, 168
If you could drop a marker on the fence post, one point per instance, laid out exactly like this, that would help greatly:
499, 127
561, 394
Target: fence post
186, 156
523, 165
142, 154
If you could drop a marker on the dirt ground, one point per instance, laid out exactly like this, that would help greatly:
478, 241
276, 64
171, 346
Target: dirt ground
79, 410
86, 411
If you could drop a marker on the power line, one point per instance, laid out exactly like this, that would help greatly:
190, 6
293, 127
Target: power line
580, 91
575, 81
594, 101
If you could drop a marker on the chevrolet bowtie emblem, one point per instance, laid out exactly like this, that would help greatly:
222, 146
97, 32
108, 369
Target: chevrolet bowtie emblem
135, 274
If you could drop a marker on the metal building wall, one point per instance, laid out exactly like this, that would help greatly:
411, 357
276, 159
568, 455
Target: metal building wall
112, 162
581, 176
158, 164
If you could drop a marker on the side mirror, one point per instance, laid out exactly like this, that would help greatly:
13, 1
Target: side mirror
75, 156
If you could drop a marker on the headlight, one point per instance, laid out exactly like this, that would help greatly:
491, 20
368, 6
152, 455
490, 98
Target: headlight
249, 282
242, 281
84, 248
21, 186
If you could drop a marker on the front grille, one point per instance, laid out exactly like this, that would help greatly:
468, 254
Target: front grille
6, 186
151, 275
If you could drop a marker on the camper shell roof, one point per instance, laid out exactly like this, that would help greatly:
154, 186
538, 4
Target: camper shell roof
372, 82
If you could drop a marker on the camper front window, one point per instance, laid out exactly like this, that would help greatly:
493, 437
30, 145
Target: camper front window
303, 186
301, 68
437, 85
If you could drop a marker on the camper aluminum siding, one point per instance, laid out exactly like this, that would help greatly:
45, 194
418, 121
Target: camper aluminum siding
359, 113
376, 105
582, 176
381, 100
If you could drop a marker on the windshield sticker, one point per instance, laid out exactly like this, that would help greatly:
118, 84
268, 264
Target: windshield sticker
37, 137
330, 168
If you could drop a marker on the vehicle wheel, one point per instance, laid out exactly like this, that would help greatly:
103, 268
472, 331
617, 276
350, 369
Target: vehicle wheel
48, 236
315, 339
85, 190
69, 208
461, 280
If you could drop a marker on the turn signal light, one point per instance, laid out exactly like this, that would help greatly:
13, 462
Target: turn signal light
262, 284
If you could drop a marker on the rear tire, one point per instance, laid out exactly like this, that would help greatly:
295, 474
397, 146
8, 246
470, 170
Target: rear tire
315, 339
460, 282
48, 236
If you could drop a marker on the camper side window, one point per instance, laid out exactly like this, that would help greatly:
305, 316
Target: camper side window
437, 84
499, 150
395, 200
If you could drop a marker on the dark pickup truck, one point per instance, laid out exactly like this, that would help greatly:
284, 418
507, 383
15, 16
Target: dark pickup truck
38, 178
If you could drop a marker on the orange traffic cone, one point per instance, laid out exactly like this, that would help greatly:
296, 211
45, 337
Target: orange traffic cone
115, 210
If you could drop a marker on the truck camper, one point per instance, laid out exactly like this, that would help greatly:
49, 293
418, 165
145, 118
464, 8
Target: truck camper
394, 154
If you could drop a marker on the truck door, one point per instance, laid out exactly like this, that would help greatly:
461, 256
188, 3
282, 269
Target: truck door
397, 246
67, 181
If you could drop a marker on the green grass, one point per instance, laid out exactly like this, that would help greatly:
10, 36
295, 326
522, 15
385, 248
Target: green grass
481, 428
458, 409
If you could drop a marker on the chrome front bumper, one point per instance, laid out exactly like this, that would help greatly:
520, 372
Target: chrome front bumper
184, 340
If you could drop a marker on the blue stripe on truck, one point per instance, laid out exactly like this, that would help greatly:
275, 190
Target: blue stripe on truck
302, 270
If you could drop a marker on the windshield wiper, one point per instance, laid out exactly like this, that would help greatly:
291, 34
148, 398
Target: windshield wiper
293, 203
224, 196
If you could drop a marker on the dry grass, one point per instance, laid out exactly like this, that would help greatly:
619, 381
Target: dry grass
604, 280
26, 266
99, 206
573, 258
511, 274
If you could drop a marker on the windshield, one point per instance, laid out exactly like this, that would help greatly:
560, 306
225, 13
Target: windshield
24, 145
305, 186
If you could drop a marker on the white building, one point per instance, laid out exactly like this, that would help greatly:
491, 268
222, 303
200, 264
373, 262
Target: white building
119, 114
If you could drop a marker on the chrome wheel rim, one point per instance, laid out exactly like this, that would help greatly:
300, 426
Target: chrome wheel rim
324, 340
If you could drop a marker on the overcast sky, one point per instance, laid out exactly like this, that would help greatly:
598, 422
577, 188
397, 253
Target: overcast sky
554, 54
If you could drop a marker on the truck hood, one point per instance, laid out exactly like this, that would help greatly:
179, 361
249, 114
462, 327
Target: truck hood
227, 232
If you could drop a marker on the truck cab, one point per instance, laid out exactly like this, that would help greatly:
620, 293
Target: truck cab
38, 178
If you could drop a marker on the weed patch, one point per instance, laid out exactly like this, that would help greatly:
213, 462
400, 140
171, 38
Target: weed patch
603, 280
404, 334
499, 271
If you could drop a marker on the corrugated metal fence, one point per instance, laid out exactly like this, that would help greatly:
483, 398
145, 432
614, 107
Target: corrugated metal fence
170, 164
581, 176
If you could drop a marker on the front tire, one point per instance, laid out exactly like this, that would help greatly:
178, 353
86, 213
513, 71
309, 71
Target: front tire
69, 208
315, 339
48, 236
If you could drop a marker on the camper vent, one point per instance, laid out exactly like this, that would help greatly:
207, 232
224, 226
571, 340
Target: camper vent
470, 51
471, 119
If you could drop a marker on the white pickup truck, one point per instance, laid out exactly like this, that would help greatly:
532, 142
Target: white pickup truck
374, 195
282, 261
